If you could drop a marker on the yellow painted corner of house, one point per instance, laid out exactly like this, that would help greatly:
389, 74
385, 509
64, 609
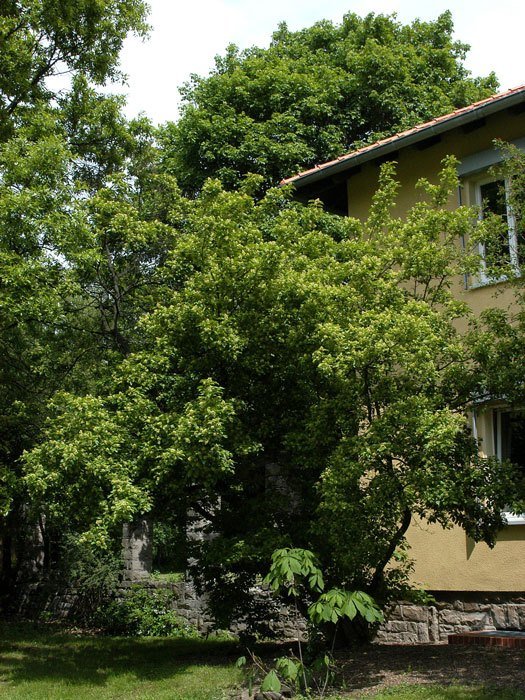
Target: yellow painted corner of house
450, 560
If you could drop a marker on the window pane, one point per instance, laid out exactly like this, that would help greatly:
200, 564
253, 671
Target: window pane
493, 198
520, 239
494, 202
513, 437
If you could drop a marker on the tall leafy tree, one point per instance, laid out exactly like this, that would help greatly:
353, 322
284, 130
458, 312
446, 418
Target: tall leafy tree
57, 314
223, 348
80, 247
314, 94
304, 370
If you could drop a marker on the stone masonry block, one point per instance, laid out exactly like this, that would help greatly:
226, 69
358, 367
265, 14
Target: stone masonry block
394, 612
521, 616
499, 616
476, 607
403, 626
423, 635
513, 616
450, 617
414, 613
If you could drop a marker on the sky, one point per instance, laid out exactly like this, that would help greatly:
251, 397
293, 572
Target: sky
186, 35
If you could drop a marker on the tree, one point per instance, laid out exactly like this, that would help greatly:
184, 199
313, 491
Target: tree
249, 359
303, 370
40, 39
71, 170
80, 246
315, 94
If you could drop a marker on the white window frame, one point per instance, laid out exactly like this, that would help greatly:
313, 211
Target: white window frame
511, 518
483, 278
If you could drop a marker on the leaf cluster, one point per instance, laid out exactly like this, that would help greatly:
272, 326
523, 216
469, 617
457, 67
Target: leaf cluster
44, 38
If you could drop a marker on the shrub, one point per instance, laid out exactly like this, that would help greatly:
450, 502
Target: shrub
93, 574
144, 612
295, 573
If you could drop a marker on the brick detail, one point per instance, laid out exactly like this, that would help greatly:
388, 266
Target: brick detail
494, 640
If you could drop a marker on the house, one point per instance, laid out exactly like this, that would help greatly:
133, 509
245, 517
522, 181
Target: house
474, 587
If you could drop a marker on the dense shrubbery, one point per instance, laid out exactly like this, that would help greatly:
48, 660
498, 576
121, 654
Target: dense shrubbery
144, 612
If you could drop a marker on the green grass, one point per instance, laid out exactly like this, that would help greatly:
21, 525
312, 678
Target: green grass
453, 692
168, 576
42, 664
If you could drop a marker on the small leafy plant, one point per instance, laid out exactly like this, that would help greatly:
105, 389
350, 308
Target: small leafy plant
295, 572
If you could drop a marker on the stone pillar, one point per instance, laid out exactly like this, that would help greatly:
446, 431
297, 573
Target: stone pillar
32, 549
137, 549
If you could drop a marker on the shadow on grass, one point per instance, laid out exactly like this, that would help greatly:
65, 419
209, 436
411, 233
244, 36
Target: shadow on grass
373, 667
30, 653
33, 653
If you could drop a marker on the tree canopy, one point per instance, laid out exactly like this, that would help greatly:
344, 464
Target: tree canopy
42, 38
59, 264
294, 378
302, 370
315, 93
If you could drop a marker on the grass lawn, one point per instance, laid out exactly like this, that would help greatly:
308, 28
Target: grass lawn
44, 663
39, 663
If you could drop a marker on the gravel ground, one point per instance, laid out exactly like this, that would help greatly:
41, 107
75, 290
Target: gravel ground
376, 667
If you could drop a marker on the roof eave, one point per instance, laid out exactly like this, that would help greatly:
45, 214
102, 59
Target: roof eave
352, 161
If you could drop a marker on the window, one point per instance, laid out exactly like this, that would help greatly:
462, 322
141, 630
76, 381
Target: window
508, 429
492, 197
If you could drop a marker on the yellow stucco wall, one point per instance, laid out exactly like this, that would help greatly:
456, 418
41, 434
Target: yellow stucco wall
448, 559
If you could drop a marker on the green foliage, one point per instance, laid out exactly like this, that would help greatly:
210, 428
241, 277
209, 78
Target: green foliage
499, 335
66, 281
144, 611
513, 168
169, 547
336, 604
289, 568
165, 354
313, 94
271, 682
39, 38
79, 248
94, 575
296, 573
301, 369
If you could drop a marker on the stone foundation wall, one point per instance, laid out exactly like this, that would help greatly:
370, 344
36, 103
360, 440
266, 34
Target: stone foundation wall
407, 623
193, 608
35, 600
42, 598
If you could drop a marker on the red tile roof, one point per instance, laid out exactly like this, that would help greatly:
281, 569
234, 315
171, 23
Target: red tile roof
471, 109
